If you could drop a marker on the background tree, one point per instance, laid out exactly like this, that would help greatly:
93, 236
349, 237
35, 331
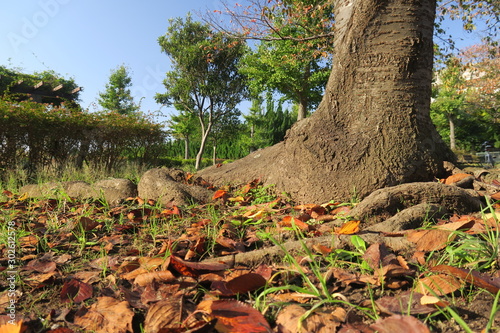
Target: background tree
297, 68
183, 127
482, 63
117, 96
204, 79
226, 129
449, 95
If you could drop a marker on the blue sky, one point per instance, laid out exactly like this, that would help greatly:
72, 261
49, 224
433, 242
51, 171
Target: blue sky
86, 39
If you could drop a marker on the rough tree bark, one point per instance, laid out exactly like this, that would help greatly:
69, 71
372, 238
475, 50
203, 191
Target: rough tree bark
372, 128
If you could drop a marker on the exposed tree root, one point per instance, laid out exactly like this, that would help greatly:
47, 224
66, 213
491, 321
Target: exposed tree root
389, 210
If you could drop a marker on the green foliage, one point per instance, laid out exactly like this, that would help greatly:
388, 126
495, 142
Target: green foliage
294, 69
13, 81
204, 80
36, 136
117, 96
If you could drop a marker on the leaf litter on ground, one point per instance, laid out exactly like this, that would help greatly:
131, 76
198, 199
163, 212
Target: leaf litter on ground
83, 266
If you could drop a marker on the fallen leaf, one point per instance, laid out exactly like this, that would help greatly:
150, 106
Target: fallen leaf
324, 250
195, 269
246, 283
348, 228
430, 240
7, 326
397, 323
289, 320
456, 178
168, 315
105, 316
75, 291
88, 223
426, 299
220, 194
402, 303
235, 317
289, 221
147, 278
459, 225
440, 284
473, 277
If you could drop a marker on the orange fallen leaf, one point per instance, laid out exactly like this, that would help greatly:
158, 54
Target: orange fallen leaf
7, 326
456, 178
246, 282
348, 228
324, 250
220, 194
289, 221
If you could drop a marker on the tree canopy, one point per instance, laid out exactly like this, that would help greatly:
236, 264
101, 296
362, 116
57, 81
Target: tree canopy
204, 79
117, 96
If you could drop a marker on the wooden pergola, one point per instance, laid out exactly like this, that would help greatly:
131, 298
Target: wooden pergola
42, 92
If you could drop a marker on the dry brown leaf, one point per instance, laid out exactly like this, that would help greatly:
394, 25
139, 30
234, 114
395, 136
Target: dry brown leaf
440, 284
459, 225
397, 323
289, 320
420, 257
75, 291
147, 278
344, 210
235, 317
41, 266
430, 240
168, 315
195, 269
87, 276
105, 316
402, 303
38, 280
473, 277
87, 223
348, 277
245, 283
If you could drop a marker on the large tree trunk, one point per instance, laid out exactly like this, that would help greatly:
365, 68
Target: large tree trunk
372, 128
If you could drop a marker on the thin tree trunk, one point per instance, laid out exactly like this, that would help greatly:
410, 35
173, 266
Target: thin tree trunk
204, 138
186, 147
214, 155
451, 121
